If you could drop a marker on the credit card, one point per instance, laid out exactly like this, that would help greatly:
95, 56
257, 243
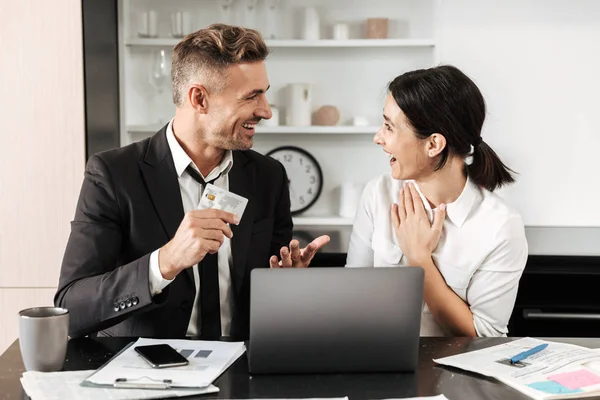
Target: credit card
221, 199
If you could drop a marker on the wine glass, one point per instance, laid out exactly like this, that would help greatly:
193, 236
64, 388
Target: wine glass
159, 74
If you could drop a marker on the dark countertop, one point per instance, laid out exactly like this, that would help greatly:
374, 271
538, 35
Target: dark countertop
236, 383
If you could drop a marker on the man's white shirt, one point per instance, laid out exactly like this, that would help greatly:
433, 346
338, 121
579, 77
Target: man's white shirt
191, 192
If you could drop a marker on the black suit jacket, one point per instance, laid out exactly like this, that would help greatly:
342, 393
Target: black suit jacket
129, 206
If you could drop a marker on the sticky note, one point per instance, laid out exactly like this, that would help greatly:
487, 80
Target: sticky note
576, 379
552, 387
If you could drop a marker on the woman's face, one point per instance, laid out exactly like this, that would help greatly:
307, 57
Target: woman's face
408, 154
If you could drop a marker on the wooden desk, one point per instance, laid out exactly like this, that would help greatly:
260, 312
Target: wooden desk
236, 383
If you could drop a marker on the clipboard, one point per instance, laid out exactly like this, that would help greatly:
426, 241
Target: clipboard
142, 383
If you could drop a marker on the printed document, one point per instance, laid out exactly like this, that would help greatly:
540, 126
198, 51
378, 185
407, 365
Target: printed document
65, 386
560, 371
207, 361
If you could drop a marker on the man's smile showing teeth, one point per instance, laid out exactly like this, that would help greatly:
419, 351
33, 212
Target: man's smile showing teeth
249, 125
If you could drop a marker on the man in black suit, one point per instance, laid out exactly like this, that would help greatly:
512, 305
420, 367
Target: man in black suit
141, 260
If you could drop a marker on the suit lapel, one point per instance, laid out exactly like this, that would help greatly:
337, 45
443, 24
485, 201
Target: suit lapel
241, 182
160, 176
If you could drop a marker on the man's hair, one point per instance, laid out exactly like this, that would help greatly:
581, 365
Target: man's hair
210, 51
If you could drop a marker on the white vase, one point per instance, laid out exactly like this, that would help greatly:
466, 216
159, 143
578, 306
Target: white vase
298, 100
311, 27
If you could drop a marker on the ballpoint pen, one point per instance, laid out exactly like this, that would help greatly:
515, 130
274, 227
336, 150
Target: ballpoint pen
523, 355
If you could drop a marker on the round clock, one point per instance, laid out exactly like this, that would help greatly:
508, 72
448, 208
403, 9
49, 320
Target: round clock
304, 174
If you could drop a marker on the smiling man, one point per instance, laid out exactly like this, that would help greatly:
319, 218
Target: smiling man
141, 259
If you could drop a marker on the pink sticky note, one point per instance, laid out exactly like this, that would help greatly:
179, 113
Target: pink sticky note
576, 379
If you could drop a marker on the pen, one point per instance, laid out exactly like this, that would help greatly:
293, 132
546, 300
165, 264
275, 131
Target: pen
525, 354
123, 383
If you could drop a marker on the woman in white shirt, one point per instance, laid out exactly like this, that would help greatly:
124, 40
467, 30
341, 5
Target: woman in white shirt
436, 208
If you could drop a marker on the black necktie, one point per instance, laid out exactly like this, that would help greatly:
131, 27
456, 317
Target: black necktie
208, 269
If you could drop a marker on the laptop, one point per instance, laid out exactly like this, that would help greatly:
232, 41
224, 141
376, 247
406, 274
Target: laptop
319, 320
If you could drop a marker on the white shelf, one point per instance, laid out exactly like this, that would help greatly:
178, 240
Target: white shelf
321, 221
323, 130
352, 43
261, 130
170, 42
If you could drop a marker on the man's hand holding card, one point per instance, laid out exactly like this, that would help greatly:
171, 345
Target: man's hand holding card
292, 257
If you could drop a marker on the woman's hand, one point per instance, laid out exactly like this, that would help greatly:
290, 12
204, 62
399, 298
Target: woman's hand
417, 237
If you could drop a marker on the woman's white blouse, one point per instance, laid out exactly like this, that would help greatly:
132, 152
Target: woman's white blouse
481, 254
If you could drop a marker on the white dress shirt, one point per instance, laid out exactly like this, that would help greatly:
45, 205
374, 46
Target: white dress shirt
481, 254
191, 192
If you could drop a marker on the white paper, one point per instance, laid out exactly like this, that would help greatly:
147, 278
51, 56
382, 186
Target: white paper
207, 360
66, 386
536, 369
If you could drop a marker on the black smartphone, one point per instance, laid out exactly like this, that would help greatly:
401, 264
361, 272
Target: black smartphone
161, 356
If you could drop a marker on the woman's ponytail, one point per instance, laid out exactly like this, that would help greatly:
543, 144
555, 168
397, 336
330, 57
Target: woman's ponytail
487, 169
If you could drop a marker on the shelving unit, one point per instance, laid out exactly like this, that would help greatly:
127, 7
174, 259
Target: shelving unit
328, 43
321, 221
351, 74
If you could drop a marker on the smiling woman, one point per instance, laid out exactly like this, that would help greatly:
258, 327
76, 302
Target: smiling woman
437, 210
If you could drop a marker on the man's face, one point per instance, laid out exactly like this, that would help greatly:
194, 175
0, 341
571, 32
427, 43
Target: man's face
234, 112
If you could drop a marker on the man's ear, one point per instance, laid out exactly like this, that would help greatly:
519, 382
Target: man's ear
436, 143
198, 98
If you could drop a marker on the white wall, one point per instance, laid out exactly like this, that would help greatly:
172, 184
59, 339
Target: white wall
42, 149
537, 63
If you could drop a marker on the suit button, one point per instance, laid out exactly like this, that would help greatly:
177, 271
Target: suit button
116, 308
128, 303
185, 305
134, 301
122, 305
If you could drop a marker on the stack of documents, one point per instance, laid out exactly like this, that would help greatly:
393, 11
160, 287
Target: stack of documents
66, 386
558, 371
207, 361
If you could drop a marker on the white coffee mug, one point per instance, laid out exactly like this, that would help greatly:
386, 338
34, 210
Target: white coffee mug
360, 121
341, 31
350, 194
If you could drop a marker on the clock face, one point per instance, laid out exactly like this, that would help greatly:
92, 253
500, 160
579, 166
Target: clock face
304, 174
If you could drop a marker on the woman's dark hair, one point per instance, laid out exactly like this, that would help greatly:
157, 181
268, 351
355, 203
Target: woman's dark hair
444, 100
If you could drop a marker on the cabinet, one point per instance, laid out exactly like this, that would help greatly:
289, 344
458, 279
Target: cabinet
350, 74
558, 297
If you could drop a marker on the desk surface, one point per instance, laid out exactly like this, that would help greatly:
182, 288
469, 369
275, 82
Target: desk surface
236, 383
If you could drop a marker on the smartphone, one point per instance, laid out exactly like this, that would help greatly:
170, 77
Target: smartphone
161, 356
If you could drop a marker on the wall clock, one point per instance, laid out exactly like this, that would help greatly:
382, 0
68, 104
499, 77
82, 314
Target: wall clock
304, 175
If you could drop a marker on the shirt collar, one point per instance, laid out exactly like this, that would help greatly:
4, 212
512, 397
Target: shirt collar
458, 210
182, 160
